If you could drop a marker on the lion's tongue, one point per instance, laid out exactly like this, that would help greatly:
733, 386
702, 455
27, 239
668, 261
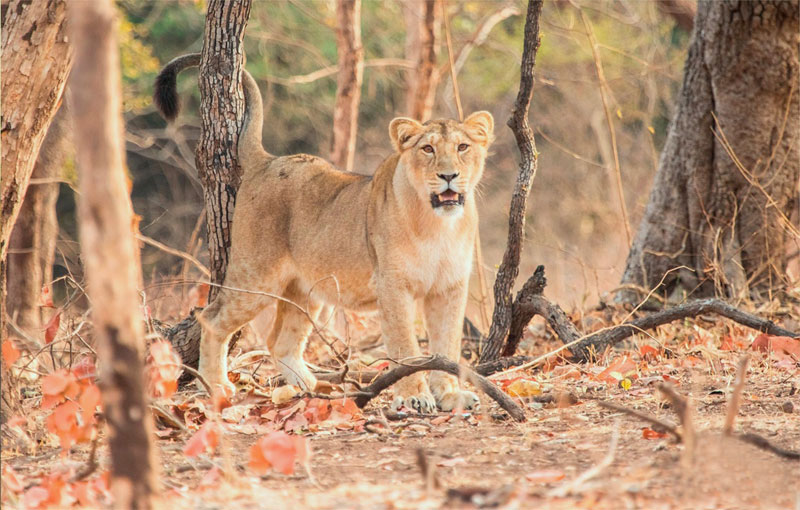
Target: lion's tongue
448, 195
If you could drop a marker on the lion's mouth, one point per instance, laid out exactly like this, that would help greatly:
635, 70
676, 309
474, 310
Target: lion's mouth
447, 198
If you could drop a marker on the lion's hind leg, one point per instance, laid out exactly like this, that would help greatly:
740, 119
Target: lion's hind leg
289, 335
229, 311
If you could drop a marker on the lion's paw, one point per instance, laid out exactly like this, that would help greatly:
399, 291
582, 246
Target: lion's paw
458, 399
423, 403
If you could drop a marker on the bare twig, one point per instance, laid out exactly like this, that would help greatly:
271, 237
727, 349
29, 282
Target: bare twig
657, 422
574, 486
736, 396
172, 251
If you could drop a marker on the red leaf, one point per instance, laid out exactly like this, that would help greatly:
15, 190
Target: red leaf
648, 433
85, 368
51, 330
317, 410
278, 450
648, 351
90, 399
783, 346
545, 476
10, 352
623, 366
204, 440
163, 369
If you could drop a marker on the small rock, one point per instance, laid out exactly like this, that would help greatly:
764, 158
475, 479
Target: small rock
787, 407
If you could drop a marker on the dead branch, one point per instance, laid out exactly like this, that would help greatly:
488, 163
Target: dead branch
509, 268
764, 444
437, 362
736, 397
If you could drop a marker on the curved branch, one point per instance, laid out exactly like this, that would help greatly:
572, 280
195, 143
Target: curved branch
440, 363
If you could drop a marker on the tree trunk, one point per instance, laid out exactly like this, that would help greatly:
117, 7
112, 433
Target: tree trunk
109, 250
221, 112
33, 240
422, 19
728, 174
36, 60
348, 83
509, 268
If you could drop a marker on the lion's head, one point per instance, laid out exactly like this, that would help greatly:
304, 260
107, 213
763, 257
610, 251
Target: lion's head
443, 159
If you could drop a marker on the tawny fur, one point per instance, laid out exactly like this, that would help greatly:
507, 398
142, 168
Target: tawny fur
299, 221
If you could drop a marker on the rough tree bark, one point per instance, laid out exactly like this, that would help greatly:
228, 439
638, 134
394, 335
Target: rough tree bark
423, 19
221, 111
33, 241
348, 83
509, 268
728, 174
36, 60
109, 251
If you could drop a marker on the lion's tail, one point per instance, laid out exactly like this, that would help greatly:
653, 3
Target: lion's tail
165, 97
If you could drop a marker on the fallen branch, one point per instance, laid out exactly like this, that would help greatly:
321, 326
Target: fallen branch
440, 363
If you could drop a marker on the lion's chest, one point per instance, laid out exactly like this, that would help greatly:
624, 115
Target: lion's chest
437, 263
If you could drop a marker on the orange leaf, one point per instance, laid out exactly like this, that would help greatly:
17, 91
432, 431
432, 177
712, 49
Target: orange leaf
545, 476
204, 440
163, 369
344, 406
646, 351
317, 410
621, 368
10, 352
782, 345
90, 399
51, 330
278, 450
648, 433
84, 368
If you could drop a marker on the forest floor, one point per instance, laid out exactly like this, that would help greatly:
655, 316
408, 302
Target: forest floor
569, 453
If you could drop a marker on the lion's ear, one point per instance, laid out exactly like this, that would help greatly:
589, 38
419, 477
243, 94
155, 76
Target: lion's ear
401, 130
481, 127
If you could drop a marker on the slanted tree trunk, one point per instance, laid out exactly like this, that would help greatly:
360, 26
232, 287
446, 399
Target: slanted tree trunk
33, 240
36, 60
348, 83
423, 19
728, 175
109, 250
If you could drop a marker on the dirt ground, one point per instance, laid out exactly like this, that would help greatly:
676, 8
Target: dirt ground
484, 459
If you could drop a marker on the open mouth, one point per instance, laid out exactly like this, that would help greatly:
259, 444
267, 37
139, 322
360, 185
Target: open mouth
447, 198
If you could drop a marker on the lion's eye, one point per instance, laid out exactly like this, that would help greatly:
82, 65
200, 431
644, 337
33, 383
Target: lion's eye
462, 147
428, 149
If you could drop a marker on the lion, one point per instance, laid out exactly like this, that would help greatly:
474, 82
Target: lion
316, 235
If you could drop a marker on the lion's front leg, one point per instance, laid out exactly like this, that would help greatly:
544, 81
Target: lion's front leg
397, 325
444, 316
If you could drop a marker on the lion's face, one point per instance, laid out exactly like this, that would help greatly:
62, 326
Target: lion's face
443, 159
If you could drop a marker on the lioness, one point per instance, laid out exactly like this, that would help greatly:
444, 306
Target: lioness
405, 233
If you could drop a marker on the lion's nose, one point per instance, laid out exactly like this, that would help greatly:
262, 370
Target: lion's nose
447, 177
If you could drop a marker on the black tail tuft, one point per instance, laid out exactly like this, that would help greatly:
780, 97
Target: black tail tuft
165, 93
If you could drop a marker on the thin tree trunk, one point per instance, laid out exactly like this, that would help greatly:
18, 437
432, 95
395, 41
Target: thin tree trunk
423, 20
109, 251
36, 60
727, 179
348, 83
221, 113
509, 268
33, 240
